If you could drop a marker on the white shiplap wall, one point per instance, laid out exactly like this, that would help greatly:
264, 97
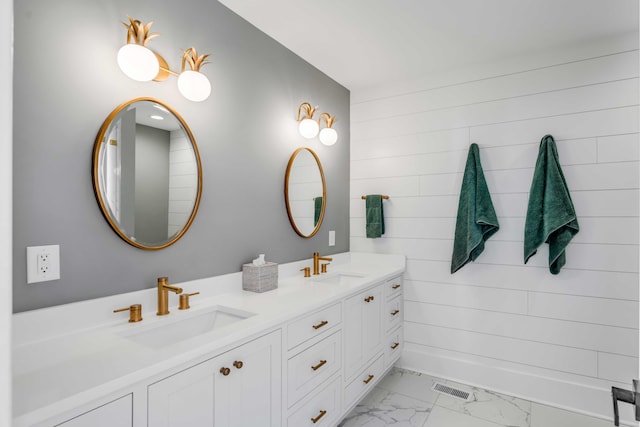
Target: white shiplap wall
497, 323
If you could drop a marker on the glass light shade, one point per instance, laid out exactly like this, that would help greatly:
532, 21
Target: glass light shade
328, 136
138, 62
308, 128
194, 85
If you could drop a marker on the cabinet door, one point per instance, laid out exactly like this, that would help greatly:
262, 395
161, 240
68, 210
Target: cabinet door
251, 394
184, 399
116, 413
363, 328
203, 396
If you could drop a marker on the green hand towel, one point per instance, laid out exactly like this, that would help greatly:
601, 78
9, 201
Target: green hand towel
317, 208
551, 217
374, 216
477, 220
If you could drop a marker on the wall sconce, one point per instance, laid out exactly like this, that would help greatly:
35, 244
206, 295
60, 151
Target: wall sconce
308, 127
142, 64
328, 135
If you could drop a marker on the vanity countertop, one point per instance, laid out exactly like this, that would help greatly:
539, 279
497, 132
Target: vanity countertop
66, 356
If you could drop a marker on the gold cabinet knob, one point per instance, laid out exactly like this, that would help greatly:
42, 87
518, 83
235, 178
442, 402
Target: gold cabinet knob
238, 364
394, 312
369, 298
225, 371
396, 286
135, 312
395, 345
368, 380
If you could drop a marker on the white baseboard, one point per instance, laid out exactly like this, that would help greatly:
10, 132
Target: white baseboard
572, 396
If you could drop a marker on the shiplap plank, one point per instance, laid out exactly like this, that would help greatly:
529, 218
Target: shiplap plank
601, 311
616, 367
587, 98
591, 71
604, 284
497, 299
569, 126
423, 309
619, 148
550, 356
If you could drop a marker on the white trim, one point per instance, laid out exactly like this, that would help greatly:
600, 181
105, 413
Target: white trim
6, 207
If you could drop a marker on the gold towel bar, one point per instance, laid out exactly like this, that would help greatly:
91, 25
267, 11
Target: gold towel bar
384, 196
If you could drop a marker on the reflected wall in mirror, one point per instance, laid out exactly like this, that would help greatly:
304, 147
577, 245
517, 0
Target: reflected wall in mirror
305, 192
147, 174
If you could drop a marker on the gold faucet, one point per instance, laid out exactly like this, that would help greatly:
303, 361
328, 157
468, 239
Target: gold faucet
163, 295
316, 262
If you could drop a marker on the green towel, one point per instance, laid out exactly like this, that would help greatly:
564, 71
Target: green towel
551, 217
317, 209
374, 216
477, 220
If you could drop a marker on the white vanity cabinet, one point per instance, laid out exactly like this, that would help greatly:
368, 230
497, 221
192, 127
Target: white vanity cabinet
308, 354
240, 388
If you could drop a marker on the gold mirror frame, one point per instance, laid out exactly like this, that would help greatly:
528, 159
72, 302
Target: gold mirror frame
96, 165
286, 192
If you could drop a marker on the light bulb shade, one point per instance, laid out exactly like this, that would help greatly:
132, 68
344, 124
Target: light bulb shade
308, 128
138, 62
328, 136
194, 85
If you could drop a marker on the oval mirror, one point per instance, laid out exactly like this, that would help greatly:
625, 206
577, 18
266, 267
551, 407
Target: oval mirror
147, 174
305, 192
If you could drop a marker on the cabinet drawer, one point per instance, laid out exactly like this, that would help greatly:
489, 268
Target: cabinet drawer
393, 347
393, 287
393, 313
364, 382
313, 325
321, 410
314, 365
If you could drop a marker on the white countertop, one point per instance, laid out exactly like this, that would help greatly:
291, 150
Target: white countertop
66, 356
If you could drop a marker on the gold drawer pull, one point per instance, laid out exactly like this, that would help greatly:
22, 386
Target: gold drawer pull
395, 286
320, 415
225, 371
368, 380
238, 364
395, 345
321, 324
319, 365
394, 312
369, 298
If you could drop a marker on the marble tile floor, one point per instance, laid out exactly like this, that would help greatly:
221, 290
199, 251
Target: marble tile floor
405, 399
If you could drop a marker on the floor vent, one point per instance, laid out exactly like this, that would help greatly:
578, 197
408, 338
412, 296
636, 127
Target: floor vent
453, 392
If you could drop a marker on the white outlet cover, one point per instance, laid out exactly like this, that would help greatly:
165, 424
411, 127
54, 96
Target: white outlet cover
34, 275
332, 237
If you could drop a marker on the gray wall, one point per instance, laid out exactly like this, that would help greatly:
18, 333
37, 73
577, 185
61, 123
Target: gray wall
66, 84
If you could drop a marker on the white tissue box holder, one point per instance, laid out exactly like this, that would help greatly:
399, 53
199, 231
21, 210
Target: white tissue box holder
260, 278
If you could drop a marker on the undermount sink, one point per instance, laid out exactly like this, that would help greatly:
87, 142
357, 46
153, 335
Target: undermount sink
339, 278
168, 330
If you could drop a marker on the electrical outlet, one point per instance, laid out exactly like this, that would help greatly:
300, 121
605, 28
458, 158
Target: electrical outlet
332, 237
43, 263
